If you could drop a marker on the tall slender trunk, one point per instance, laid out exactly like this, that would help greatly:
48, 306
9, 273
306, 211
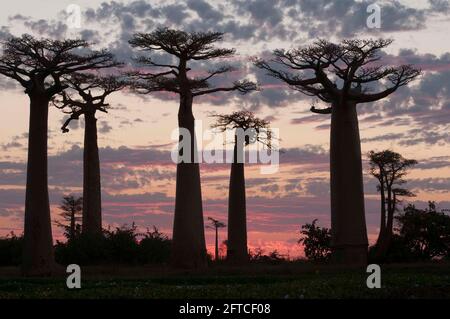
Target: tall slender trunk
92, 200
348, 224
237, 216
72, 224
188, 246
390, 220
217, 244
383, 249
382, 232
38, 257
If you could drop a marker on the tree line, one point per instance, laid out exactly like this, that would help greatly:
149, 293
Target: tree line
69, 75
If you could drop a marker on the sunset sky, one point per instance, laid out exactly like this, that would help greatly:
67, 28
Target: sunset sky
138, 176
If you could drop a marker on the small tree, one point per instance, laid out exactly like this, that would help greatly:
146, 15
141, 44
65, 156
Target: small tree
215, 224
248, 129
189, 249
38, 65
389, 168
316, 241
342, 75
92, 92
71, 208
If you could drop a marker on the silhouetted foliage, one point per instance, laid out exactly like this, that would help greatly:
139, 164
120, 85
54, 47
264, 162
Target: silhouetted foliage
420, 235
316, 241
389, 168
258, 130
118, 246
92, 91
11, 250
273, 257
154, 247
426, 232
71, 207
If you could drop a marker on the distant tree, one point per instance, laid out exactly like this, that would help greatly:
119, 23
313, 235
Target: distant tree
71, 208
248, 129
389, 168
317, 70
215, 224
85, 95
189, 249
38, 65
316, 241
426, 233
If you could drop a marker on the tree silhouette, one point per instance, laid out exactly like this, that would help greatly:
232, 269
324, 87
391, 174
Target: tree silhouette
388, 168
316, 241
248, 129
189, 248
38, 65
342, 75
425, 232
215, 224
71, 208
91, 92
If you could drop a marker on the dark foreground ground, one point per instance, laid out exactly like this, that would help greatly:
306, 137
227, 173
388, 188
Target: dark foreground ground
256, 281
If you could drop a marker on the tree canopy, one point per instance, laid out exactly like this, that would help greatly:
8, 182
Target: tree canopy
185, 47
338, 72
39, 64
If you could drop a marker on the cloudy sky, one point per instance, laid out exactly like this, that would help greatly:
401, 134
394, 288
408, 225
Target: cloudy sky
135, 137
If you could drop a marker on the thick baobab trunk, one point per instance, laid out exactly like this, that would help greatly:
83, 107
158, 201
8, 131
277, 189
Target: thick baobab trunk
188, 247
348, 224
237, 217
92, 201
38, 257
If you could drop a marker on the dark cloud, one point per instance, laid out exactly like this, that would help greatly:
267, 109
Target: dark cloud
436, 184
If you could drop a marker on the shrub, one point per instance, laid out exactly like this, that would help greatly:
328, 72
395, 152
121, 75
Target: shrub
154, 247
316, 241
119, 246
11, 250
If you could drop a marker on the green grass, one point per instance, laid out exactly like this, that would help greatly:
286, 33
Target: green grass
282, 281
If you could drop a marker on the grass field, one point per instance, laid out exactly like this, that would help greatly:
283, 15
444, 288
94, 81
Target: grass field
256, 281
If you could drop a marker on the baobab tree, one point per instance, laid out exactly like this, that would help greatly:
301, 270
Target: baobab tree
91, 92
389, 168
189, 248
216, 224
38, 65
342, 75
248, 129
